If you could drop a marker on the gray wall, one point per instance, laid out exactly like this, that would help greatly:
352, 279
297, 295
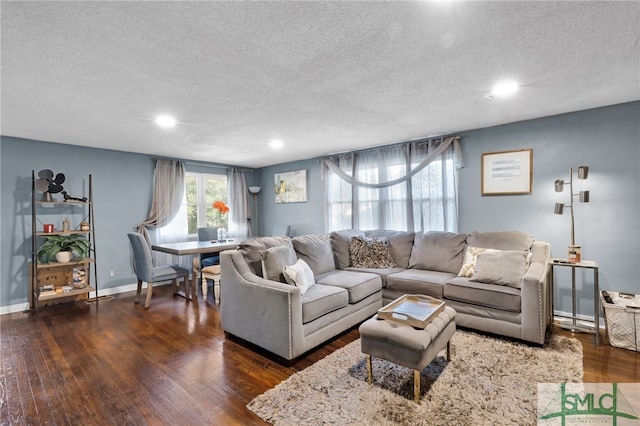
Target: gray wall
122, 188
304, 218
606, 139
607, 228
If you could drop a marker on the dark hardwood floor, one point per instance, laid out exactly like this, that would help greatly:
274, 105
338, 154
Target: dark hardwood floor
117, 363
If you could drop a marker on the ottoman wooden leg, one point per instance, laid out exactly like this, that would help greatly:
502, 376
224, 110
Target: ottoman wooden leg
416, 386
449, 350
369, 370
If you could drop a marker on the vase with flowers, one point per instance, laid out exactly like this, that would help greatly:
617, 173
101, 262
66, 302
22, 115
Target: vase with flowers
222, 209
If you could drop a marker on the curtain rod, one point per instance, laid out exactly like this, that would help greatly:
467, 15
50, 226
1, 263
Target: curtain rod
196, 163
457, 138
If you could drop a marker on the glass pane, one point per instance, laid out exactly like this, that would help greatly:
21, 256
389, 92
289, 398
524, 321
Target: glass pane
190, 190
192, 219
215, 190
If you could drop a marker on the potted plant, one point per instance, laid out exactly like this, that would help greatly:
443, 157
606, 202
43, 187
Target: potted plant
75, 245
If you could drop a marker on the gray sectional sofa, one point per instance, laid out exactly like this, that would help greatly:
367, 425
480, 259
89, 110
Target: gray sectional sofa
496, 281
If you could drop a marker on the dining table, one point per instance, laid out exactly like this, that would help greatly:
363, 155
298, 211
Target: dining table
195, 248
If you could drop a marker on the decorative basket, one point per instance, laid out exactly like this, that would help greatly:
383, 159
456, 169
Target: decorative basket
622, 323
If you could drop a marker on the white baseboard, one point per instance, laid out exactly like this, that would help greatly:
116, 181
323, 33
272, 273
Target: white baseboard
21, 307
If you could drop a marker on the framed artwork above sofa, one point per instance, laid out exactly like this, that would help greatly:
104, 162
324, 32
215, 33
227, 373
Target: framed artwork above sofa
507, 172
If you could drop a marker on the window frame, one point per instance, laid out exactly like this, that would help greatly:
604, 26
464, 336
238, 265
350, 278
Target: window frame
202, 205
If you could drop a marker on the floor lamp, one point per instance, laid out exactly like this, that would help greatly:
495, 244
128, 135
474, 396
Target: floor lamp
583, 196
254, 191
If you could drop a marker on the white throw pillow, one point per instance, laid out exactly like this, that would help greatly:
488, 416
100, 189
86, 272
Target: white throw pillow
299, 274
470, 258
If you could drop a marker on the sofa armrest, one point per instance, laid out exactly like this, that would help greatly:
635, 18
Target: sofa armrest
264, 312
535, 295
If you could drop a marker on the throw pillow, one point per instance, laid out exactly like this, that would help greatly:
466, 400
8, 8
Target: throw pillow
340, 245
437, 251
370, 253
501, 240
400, 244
274, 260
300, 275
501, 268
315, 250
250, 250
469, 262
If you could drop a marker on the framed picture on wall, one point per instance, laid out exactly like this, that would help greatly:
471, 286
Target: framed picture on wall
507, 172
291, 187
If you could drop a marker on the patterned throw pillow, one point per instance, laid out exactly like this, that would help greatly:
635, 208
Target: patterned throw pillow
470, 258
370, 253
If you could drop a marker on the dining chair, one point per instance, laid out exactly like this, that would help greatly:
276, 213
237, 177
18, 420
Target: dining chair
211, 272
145, 271
208, 233
208, 260
281, 230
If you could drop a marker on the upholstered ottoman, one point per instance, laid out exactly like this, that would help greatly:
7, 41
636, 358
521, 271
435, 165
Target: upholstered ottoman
405, 345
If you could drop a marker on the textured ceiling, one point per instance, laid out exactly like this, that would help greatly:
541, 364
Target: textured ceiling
322, 77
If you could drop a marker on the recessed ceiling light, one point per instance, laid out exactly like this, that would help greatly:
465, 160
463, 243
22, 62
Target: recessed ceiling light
276, 144
504, 89
165, 121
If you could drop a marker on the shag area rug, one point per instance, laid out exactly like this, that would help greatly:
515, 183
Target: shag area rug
489, 381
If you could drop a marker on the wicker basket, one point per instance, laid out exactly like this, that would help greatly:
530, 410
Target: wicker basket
622, 324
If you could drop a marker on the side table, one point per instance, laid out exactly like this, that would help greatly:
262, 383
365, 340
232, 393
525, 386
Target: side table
574, 326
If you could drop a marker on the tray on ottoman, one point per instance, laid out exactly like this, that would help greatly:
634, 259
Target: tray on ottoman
415, 310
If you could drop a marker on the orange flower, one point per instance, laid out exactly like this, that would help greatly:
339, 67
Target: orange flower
221, 207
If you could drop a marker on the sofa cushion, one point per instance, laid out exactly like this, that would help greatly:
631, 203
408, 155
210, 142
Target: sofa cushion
382, 273
501, 268
370, 253
417, 281
340, 245
482, 294
274, 260
316, 251
470, 258
400, 244
322, 299
251, 249
501, 240
437, 251
300, 275
359, 284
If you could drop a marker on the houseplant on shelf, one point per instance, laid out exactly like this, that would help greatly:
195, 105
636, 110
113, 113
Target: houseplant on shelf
53, 247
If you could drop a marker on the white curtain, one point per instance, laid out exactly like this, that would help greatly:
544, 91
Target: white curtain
168, 195
239, 211
412, 187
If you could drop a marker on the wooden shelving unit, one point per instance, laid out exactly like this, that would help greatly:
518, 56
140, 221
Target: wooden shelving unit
57, 274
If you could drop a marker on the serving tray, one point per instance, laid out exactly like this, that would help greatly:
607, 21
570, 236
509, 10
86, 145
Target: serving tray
415, 310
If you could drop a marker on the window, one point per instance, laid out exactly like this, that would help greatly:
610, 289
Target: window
426, 201
201, 190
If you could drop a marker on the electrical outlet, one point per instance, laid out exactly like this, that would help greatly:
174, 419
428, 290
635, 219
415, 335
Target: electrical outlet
112, 274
